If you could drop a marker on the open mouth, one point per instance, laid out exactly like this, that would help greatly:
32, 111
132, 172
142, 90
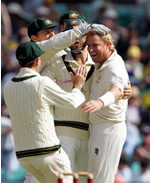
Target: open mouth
93, 55
77, 43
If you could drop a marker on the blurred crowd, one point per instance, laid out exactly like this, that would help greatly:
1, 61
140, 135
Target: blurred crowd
130, 25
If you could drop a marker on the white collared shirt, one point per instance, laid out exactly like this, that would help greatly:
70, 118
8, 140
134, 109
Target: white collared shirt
30, 104
111, 73
57, 70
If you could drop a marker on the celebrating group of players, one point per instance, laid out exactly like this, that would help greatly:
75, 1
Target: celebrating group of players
68, 102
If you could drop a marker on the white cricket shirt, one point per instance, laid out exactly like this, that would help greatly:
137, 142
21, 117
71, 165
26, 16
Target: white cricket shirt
30, 101
112, 73
77, 118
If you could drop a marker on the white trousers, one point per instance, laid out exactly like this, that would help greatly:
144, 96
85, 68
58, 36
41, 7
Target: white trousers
77, 151
46, 168
105, 147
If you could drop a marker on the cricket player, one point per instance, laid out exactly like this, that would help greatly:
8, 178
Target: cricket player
30, 99
72, 127
106, 109
68, 16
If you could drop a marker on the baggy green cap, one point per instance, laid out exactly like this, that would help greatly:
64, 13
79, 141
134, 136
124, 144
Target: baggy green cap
73, 23
28, 51
38, 25
71, 14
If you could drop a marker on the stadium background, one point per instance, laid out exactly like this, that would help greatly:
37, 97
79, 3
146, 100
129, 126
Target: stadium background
129, 21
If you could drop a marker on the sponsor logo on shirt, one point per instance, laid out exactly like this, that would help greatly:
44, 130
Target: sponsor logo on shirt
66, 81
120, 80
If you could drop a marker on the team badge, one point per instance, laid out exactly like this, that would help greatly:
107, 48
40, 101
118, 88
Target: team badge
74, 22
21, 56
73, 15
47, 22
98, 80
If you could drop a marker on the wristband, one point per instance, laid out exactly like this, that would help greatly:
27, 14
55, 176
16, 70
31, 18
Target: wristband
108, 98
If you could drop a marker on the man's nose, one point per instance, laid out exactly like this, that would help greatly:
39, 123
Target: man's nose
51, 34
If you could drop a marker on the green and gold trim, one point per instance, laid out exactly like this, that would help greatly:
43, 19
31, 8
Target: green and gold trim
22, 78
73, 124
68, 67
37, 152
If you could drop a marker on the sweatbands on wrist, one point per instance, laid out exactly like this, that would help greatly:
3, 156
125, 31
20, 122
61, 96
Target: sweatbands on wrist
108, 98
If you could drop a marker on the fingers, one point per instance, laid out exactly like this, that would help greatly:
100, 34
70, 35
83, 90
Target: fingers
129, 83
86, 107
82, 71
103, 30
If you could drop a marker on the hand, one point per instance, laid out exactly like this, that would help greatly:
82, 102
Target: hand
79, 78
127, 91
84, 29
92, 106
101, 29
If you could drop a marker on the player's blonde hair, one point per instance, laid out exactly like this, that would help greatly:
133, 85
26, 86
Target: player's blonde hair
105, 39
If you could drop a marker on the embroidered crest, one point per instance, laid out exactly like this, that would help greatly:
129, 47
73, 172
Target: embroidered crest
73, 15
98, 80
74, 22
21, 56
47, 22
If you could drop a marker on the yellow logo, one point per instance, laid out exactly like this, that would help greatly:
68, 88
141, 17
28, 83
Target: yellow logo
47, 22
73, 15
74, 22
21, 56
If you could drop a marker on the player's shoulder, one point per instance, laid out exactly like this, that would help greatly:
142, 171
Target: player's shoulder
116, 61
59, 54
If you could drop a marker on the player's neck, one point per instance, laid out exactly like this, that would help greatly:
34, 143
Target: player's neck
82, 58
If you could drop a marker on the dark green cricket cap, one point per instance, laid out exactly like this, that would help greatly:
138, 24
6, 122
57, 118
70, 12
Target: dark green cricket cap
28, 51
71, 14
38, 25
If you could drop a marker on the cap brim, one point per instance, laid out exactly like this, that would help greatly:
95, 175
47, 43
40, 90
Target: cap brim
49, 27
41, 53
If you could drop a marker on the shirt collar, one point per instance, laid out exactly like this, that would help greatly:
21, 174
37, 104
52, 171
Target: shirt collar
69, 58
25, 71
107, 61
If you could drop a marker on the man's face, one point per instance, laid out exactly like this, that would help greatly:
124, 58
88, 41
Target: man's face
45, 34
97, 49
78, 45
63, 26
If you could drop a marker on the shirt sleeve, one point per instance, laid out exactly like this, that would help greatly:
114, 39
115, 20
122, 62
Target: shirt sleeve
54, 95
58, 42
47, 70
118, 77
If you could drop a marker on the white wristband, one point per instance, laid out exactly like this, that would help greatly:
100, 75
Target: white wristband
108, 98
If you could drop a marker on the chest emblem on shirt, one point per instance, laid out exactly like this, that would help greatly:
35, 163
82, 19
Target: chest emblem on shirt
98, 80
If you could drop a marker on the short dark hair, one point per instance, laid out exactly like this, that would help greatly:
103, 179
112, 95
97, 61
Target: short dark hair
24, 64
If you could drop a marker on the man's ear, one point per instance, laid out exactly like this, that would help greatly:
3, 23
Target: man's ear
36, 63
108, 44
34, 38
